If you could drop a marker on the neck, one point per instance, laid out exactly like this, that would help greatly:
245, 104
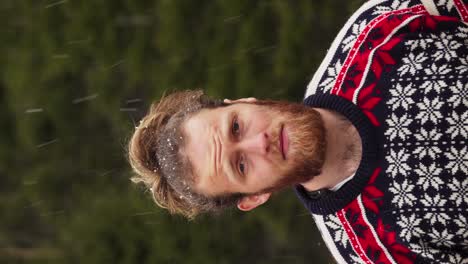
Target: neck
343, 154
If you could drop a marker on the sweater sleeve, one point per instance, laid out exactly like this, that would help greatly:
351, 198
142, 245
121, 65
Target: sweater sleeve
453, 8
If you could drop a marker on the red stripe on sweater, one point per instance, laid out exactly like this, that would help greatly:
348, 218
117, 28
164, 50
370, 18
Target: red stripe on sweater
462, 9
356, 56
361, 234
353, 237
372, 199
364, 239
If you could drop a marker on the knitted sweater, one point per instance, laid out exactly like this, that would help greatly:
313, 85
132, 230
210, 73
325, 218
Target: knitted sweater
398, 70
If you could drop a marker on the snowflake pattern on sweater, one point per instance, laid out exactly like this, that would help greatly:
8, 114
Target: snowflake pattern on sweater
427, 130
403, 65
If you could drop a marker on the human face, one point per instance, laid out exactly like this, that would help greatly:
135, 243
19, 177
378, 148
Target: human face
253, 147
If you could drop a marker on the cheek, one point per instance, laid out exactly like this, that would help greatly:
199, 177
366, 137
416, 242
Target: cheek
263, 170
260, 119
256, 126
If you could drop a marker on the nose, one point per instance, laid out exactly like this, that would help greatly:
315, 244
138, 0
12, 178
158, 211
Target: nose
258, 143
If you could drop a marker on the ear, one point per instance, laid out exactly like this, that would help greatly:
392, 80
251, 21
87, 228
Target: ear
250, 202
241, 100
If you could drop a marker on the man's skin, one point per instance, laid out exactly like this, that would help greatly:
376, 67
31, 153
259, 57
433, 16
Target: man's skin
244, 148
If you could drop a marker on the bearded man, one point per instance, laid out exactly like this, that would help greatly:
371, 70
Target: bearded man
377, 151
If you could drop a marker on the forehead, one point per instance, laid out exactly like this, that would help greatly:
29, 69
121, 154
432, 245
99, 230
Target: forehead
202, 126
199, 131
199, 120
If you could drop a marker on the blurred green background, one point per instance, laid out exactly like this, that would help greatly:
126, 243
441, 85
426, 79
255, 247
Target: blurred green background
75, 78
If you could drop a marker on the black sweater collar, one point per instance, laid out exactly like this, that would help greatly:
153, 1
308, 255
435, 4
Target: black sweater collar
331, 202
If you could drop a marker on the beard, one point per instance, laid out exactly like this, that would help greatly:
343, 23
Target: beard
307, 142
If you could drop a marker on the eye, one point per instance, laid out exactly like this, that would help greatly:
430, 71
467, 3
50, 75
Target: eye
242, 165
235, 129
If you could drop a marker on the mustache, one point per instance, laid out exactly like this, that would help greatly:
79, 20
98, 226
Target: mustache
274, 141
306, 135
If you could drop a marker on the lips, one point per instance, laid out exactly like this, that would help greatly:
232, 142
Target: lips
284, 143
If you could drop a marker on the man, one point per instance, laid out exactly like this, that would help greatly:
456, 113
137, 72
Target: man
377, 152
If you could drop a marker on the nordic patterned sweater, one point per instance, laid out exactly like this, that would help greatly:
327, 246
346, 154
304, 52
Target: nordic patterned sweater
398, 70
